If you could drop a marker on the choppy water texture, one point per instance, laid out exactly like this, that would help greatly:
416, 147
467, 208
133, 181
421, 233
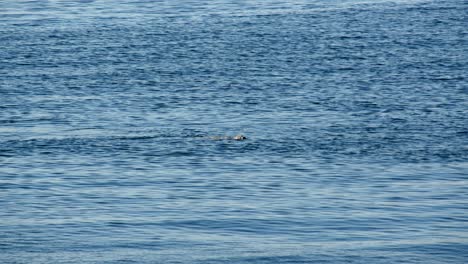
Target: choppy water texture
355, 113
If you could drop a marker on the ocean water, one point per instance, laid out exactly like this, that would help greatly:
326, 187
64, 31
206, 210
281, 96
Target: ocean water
355, 113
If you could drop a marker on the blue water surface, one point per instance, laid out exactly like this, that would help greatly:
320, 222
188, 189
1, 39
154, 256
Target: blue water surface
355, 113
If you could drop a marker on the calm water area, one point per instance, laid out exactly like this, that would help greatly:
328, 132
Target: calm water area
113, 118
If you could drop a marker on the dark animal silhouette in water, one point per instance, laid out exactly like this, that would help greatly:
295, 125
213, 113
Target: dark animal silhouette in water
236, 137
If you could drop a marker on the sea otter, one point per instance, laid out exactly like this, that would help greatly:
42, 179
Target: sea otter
236, 137
239, 137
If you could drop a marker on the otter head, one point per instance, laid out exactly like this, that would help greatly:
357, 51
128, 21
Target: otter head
239, 137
